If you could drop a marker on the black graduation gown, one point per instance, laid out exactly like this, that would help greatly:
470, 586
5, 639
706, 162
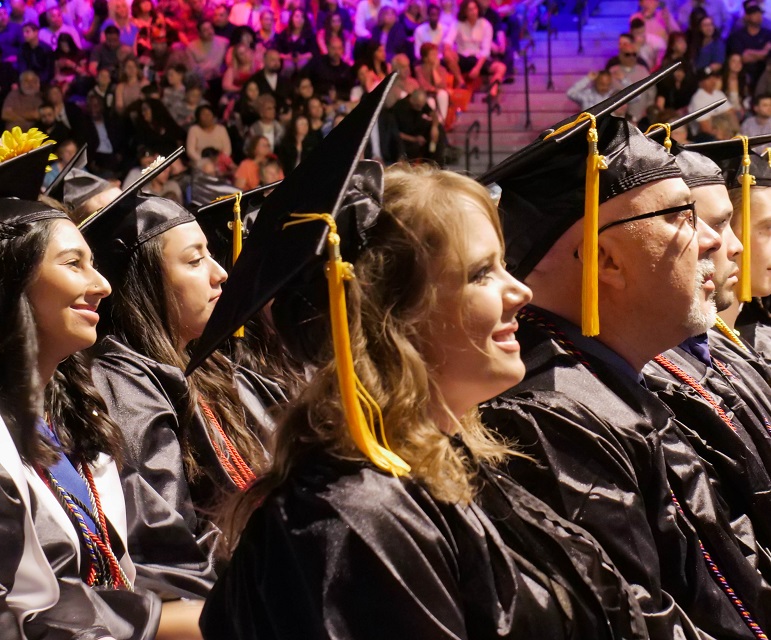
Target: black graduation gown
171, 540
343, 551
754, 326
731, 455
608, 456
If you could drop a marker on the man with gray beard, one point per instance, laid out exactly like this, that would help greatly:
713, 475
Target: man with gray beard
604, 451
719, 401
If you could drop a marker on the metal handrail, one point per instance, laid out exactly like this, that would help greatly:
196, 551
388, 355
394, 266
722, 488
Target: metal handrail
474, 128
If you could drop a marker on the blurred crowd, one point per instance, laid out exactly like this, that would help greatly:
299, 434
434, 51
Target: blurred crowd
249, 88
723, 52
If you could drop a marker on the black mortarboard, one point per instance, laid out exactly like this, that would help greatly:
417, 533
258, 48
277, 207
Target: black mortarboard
131, 219
79, 161
544, 189
15, 212
324, 208
22, 176
217, 218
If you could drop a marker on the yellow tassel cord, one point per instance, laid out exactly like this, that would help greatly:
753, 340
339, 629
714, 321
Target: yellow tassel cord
361, 410
729, 333
238, 236
14, 143
590, 309
746, 179
667, 130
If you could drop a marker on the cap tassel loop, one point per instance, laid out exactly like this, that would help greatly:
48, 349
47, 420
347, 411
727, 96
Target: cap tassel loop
590, 309
361, 409
236, 226
747, 180
667, 131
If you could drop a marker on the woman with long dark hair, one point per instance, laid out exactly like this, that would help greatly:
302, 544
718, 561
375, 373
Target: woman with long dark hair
49, 296
384, 502
297, 143
189, 441
296, 43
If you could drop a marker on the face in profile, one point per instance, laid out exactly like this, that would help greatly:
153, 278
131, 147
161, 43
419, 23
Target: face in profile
473, 352
65, 294
193, 280
760, 243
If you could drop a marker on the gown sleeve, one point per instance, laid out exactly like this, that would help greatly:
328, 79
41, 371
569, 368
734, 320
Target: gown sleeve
172, 547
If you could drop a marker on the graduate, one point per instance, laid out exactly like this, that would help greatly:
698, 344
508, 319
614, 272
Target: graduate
256, 346
189, 441
384, 515
722, 403
616, 280
70, 505
750, 318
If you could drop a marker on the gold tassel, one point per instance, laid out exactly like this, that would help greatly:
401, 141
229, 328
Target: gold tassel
746, 179
729, 333
667, 130
590, 310
238, 237
355, 398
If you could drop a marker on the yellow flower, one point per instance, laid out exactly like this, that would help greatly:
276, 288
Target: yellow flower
14, 143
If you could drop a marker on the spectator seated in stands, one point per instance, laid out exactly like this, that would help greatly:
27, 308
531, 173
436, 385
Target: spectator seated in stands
120, 17
241, 68
317, 116
297, 143
658, 20
35, 55
627, 67
207, 53
220, 20
296, 44
365, 22
332, 7
105, 88
20, 108
498, 48
173, 94
333, 28
206, 133
650, 47
247, 175
443, 37
271, 82
267, 125
675, 91
432, 78
331, 76
419, 128
48, 124
405, 84
265, 34
248, 13
715, 9
720, 123
105, 140
21, 13
70, 66
412, 18
594, 87
56, 27
391, 34
11, 37
66, 112
129, 90
271, 171
708, 47
473, 41
110, 53
752, 41
759, 123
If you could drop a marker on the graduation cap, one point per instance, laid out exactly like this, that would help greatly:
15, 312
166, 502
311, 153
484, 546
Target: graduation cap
565, 176
317, 217
739, 166
23, 172
15, 212
132, 219
220, 218
79, 161
661, 131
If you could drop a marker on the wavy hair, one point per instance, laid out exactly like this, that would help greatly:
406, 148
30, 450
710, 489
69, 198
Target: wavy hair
141, 313
419, 241
70, 399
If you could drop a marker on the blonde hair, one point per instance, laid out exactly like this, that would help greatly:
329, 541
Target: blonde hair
418, 239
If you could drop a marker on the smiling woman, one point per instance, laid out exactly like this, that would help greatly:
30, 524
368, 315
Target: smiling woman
49, 295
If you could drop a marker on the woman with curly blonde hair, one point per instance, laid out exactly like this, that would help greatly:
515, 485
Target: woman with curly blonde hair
384, 515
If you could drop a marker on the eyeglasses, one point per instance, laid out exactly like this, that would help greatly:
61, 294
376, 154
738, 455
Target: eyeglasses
692, 218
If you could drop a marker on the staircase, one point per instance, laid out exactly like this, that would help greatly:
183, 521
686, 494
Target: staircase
509, 131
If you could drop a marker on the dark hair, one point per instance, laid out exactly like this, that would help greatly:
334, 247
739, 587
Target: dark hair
111, 30
425, 48
464, 8
636, 23
201, 108
202, 22
141, 319
758, 97
31, 25
70, 398
627, 36
70, 41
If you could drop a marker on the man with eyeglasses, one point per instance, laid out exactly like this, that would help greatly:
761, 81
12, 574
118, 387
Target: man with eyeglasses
606, 452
